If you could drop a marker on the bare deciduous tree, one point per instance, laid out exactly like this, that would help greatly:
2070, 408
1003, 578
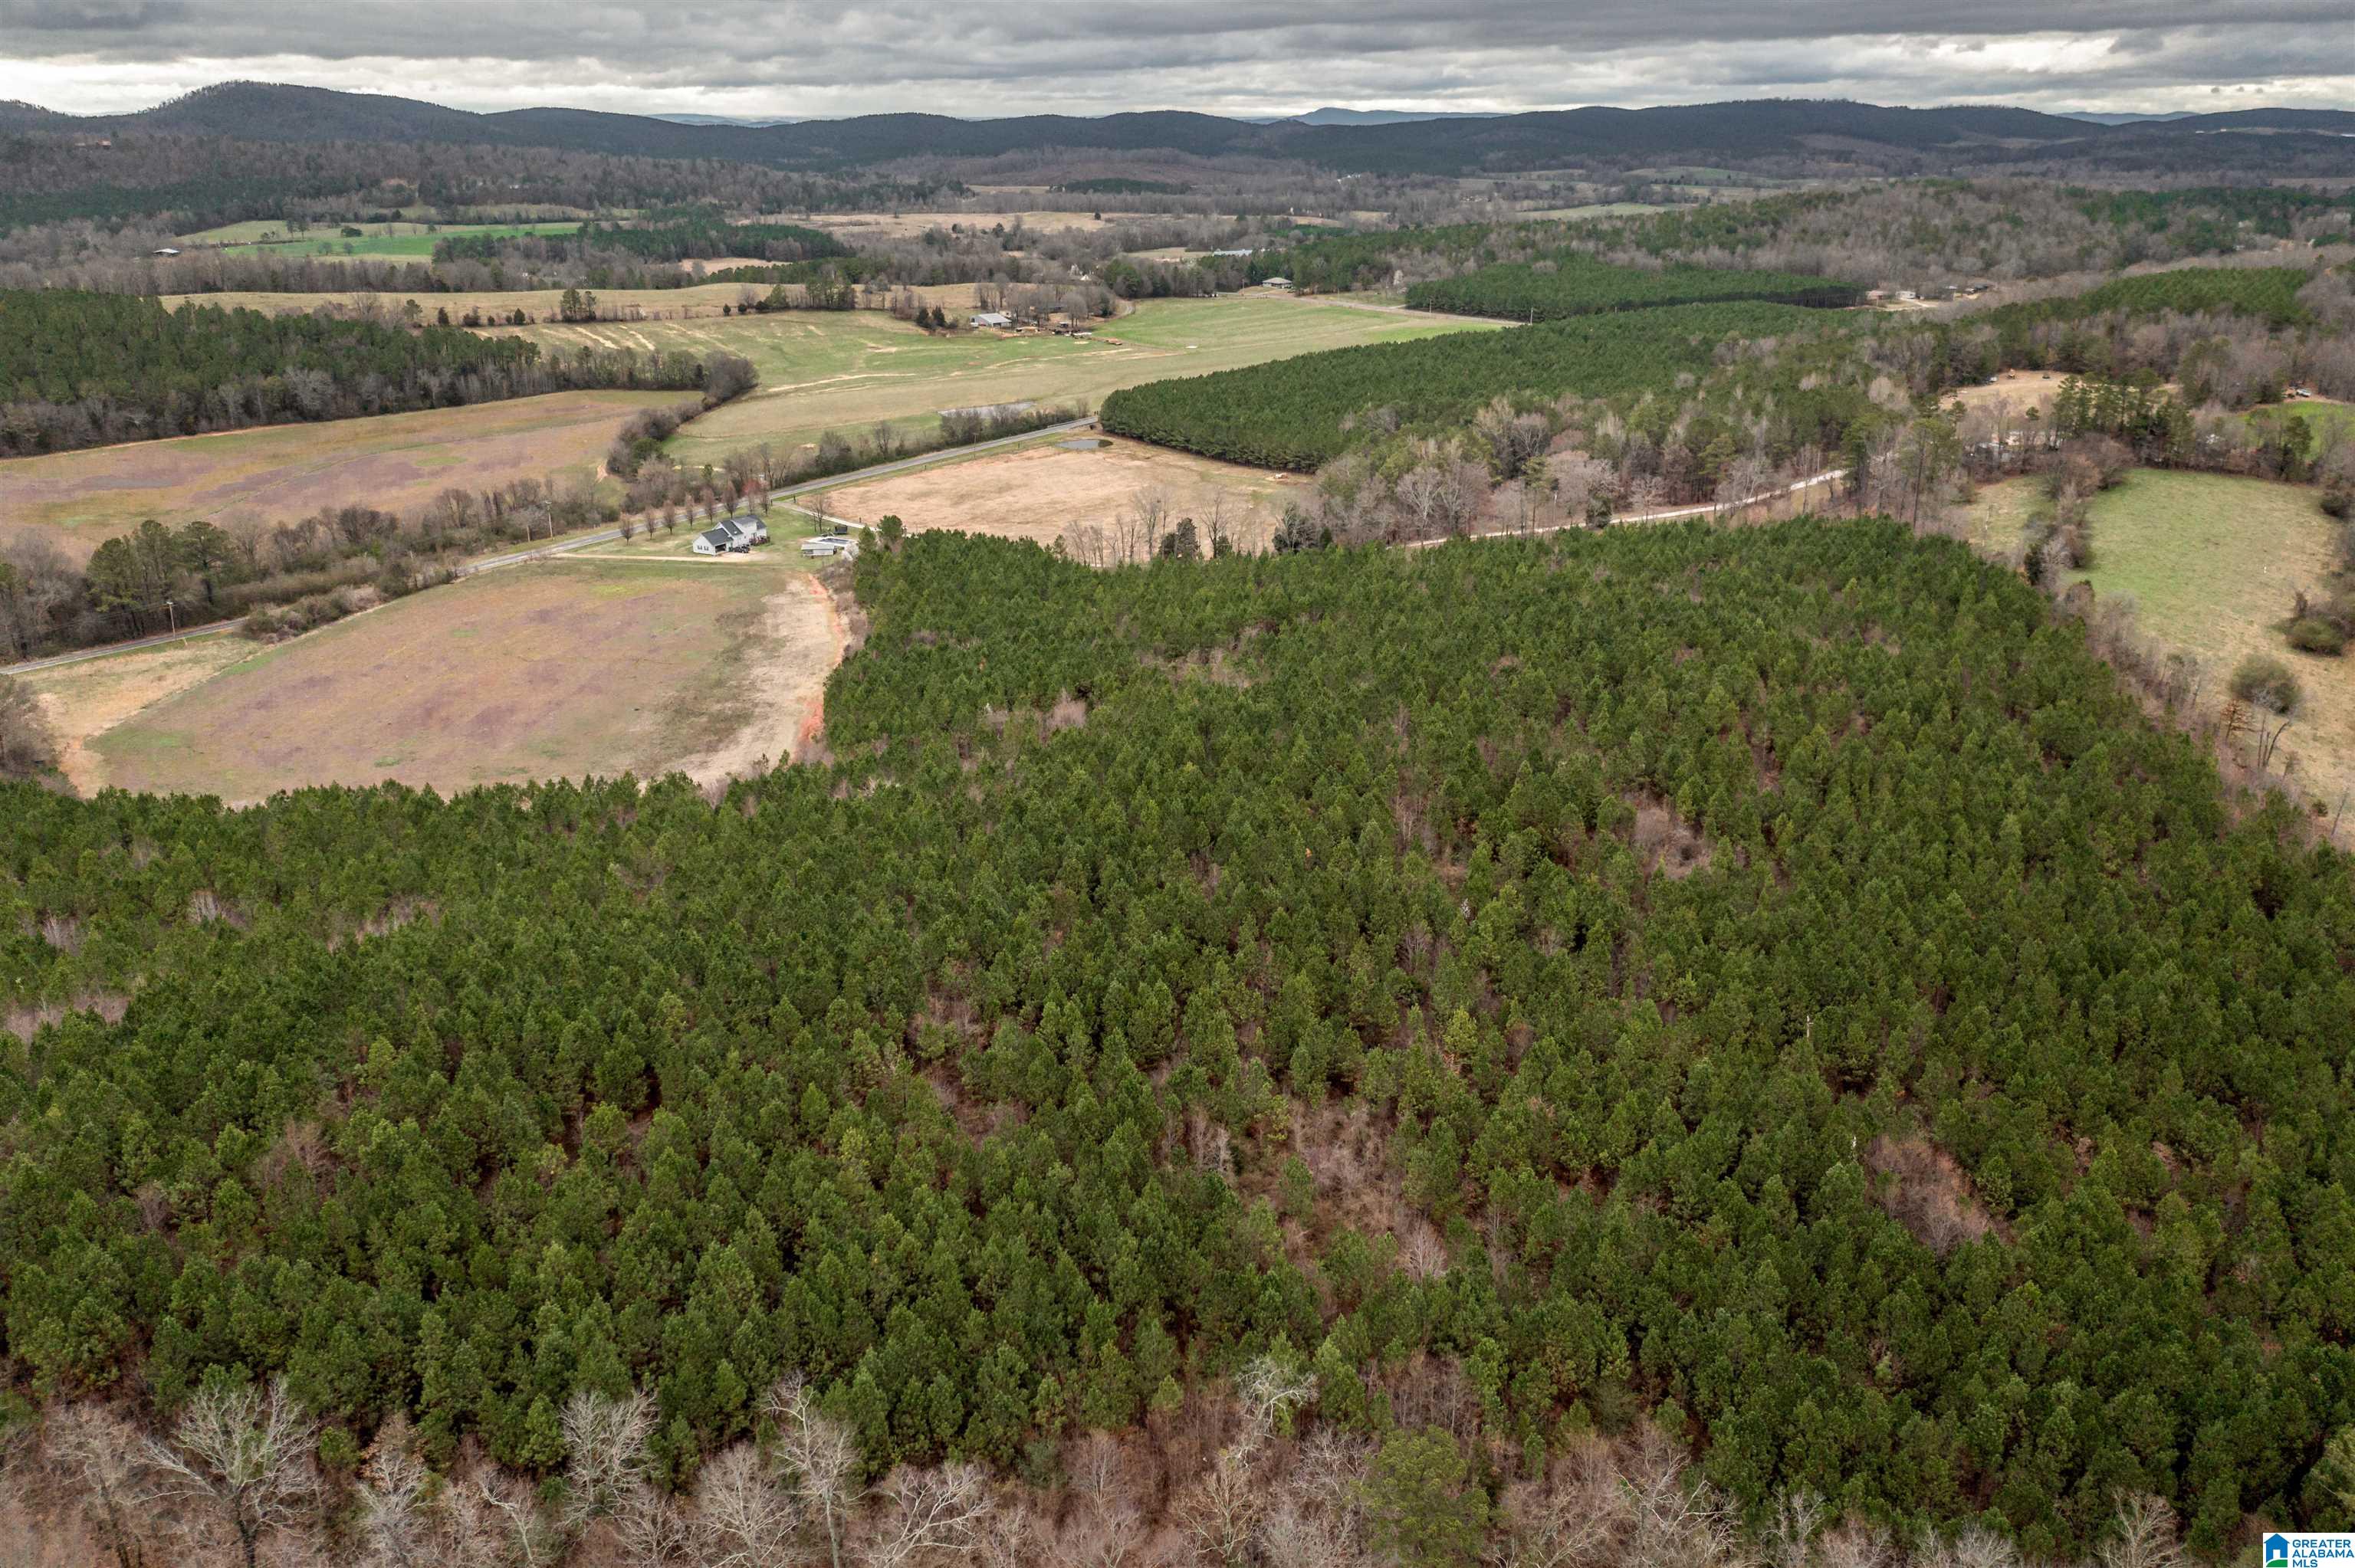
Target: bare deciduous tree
652, 1530
237, 1469
820, 1460
929, 1514
1220, 1512
2141, 1536
743, 1517
394, 1529
1269, 1390
493, 1520
96, 1453
605, 1452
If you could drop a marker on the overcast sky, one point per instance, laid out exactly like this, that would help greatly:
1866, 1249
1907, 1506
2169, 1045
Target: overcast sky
812, 58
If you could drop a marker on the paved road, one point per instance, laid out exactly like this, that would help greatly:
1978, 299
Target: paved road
577, 542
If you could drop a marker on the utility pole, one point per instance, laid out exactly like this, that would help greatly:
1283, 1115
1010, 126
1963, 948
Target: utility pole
172, 612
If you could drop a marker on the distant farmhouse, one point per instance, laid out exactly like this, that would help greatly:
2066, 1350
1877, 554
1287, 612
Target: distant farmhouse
731, 537
1246, 250
1280, 284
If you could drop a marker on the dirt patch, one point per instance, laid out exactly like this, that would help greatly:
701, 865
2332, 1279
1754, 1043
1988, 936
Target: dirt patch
25, 1022
84, 701
1923, 1189
1037, 492
785, 669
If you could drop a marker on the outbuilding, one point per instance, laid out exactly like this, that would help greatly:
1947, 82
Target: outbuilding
841, 544
992, 319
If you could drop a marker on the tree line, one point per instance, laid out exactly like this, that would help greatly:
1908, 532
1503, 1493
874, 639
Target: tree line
1301, 412
1557, 286
84, 369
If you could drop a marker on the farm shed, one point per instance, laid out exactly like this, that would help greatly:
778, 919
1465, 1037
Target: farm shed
992, 319
841, 544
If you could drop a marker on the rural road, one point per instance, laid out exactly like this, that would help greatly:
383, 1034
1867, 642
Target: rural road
564, 547
1668, 516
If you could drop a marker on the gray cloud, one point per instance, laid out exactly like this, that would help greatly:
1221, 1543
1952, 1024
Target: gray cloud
801, 56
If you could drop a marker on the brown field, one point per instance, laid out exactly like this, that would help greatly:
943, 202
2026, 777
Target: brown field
693, 302
2015, 391
1035, 493
396, 462
554, 669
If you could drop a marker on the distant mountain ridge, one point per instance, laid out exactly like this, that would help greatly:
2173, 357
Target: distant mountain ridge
2091, 118
1329, 116
1750, 129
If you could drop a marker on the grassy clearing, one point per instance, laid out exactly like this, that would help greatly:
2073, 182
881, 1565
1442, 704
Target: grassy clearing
847, 371
557, 669
2330, 421
376, 241
84, 701
1036, 491
396, 461
2211, 563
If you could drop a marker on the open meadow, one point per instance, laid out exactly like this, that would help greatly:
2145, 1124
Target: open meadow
557, 669
396, 462
2211, 561
1036, 491
849, 370
374, 242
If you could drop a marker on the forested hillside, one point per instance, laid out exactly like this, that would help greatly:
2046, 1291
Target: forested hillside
1770, 979
1557, 286
1298, 413
85, 369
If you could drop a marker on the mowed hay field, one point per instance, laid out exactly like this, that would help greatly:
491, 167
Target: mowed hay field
2211, 561
558, 669
825, 370
395, 462
1035, 493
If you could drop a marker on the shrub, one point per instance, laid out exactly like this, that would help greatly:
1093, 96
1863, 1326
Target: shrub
2312, 634
2339, 504
2267, 683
